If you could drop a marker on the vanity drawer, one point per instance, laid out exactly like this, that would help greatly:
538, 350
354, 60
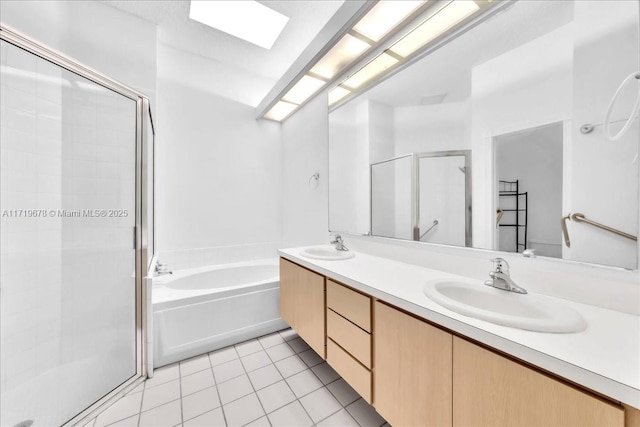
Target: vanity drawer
350, 337
349, 304
353, 372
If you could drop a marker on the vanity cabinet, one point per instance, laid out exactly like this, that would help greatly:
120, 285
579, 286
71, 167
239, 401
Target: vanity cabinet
349, 336
492, 390
418, 374
413, 369
302, 303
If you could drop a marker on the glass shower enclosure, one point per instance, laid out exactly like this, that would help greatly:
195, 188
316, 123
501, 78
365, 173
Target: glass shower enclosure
75, 216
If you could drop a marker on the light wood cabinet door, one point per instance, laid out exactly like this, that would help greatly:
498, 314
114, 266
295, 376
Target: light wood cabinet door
302, 303
491, 390
412, 369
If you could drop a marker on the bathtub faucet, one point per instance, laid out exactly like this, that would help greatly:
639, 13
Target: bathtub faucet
339, 243
162, 268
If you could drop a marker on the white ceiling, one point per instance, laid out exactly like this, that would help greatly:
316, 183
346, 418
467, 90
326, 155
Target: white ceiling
259, 67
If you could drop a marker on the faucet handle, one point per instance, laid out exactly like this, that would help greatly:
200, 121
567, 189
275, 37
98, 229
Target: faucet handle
500, 265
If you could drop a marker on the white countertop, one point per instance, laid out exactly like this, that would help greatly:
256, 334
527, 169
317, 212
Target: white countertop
605, 357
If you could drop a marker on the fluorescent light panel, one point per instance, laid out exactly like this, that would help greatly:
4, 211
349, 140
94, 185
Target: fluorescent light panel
247, 19
337, 93
369, 71
281, 110
437, 24
340, 56
384, 16
302, 90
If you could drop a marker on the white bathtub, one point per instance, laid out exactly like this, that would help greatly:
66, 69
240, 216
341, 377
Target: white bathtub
200, 310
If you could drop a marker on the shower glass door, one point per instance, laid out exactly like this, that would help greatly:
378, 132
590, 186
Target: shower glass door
69, 333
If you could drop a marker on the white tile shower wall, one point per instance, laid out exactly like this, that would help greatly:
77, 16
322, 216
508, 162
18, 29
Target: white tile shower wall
31, 177
305, 211
221, 176
115, 43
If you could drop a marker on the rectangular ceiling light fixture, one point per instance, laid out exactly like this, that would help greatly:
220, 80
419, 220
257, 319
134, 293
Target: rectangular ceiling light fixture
369, 71
302, 90
337, 93
437, 24
340, 56
384, 16
280, 111
248, 20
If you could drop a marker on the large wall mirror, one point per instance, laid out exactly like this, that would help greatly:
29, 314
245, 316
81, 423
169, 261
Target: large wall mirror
495, 140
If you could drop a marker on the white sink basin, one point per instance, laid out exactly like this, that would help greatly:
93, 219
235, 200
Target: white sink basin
326, 253
528, 312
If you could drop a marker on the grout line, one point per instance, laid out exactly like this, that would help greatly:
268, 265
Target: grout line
141, 400
180, 387
224, 416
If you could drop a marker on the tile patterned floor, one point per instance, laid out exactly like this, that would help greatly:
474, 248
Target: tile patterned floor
275, 380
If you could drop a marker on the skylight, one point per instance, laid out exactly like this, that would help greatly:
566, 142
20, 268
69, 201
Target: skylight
247, 19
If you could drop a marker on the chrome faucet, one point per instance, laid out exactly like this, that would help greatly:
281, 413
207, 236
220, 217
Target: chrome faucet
339, 243
162, 268
501, 279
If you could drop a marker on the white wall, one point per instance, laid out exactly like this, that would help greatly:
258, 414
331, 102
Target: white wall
349, 168
218, 169
438, 127
305, 210
606, 51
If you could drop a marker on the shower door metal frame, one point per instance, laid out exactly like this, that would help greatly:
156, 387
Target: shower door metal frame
467, 190
36, 48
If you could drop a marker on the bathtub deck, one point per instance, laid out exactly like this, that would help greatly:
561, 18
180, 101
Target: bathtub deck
275, 380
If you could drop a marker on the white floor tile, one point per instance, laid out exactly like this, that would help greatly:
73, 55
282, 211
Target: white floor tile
364, 414
325, 373
196, 382
195, 364
123, 408
235, 388
260, 422
243, 410
292, 415
255, 361
320, 404
263, 377
279, 352
128, 422
248, 347
163, 375
288, 334
91, 423
290, 366
298, 345
339, 419
160, 395
271, 340
343, 392
228, 370
198, 403
224, 355
162, 416
311, 358
213, 418
304, 383
138, 389
275, 396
